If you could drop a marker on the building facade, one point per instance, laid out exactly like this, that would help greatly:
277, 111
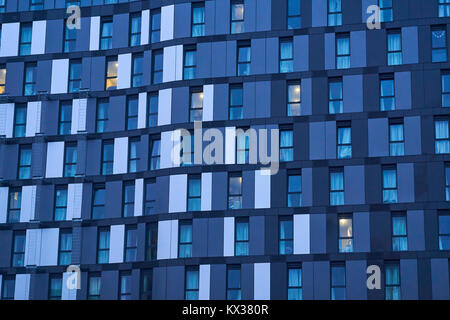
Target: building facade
91, 102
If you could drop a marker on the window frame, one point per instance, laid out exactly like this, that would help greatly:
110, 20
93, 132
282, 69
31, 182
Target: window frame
62, 124
189, 70
153, 158
70, 165
104, 121
234, 22
130, 248
291, 103
285, 241
20, 125
135, 160
389, 53
62, 252
136, 77
244, 242
72, 86
295, 267
343, 125
151, 249
232, 289
244, 45
396, 265
294, 173
53, 277
339, 170
134, 35
439, 28
18, 255
93, 275
14, 213
345, 238
95, 188
189, 197
334, 266
158, 72
331, 100
125, 204
111, 78
109, 163
182, 244
24, 167
283, 60
103, 21
234, 195
337, 14
402, 215
236, 106
100, 250
188, 291
194, 91
157, 31
56, 206
197, 5
30, 85
383, 9
25, 46
339, 57
389, 167
396, 122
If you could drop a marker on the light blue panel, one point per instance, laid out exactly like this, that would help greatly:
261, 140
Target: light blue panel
408, 279
358, 49
402, 90
163, 250
319, 13
378, 137
306, 97
272, 50
353, 93
263, 15
262, 281
262, 99
307, 187
321, 280
301, 53
361, 232
231, 58
330, 141
405, 174
318, 233
416, 231
440, 279
49, 241
330, 51
365, 4
354, 183
410, 45
222, 17
250, 15
258, 59
317, 140
249, 100
413, 137
116, 249
356, 278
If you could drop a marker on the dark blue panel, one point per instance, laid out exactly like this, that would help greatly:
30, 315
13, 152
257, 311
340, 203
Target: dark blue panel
113, 204
215, 237
110, 285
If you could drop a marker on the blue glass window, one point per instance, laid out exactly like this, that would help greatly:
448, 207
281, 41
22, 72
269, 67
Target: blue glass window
294, 190
444, 232
386, 12
103, 245
236, 104
138, 70
396, 140
101, 123
24, 162
394, 48
241, 237
185, 240
65, 248
337, 282
439, 44
237, 17
128, 199
29, 88
294, 99
294, 14
295, 290
98, 203
107, 157
70, 36
286, 56
286, 236
335, 96
387, 94
389, 185
18, 254
334, 13
344, 143
155, 27
235, 191
55, 285
445, 79
196, 105
133, 157
157, 66
444, 8
342, 51
337, 187
111, 73
190, 63
70, 160
442, 139
131, 244
242, 146
14, 204
20, 119
25, 39
244, 56
399, 233
447, 182
150, 196
75, 76
191, 285
132, 112
198, 19
60, 203
152, 110
286, 145
234, 283
392, 286
125, 285
135, 29
155, 155
94, 284
151, 241
65, 117
345, 234
194, 193
8, 287
106, 33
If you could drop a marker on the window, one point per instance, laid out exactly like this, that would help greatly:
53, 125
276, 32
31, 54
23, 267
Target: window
396, 138
345, 233
337, 281
151, 247
241, 237
107, 157
135, 29
387, 93
8, 287
444, 232
194, 193
399, 232
20, 120
234, 191
70, 160
286, 56
24, 162
125, 285
294, 20
294, 99
394, 47
18, 255
150, 196
445, 90
344, 140
447, 182
442, 140
286, 145
237, 17
132, 112
294, 198
94, 286
187, 148
190, 63
152, 106
335, 96
386, 13
236, 105
29, 88
234, 283
75, 76
244, 58
36, 5
131, 244
157, 66
389, 184
439, 44
196, 106
128, 199
106, 33
185, 240
334, 13
65, 117
2, 75
392, 281
25, 39
191, 285
98, 201
101, 122
146, 284
295, 291
286, 236
55, 287
336, 186
136, 77
103, 245
65, 247
343, 51
111, 73
133, 157
242, 145
2, 5
70, 36
198, 19
14, 204
155, 27
60, 203
444, 8
155, 155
